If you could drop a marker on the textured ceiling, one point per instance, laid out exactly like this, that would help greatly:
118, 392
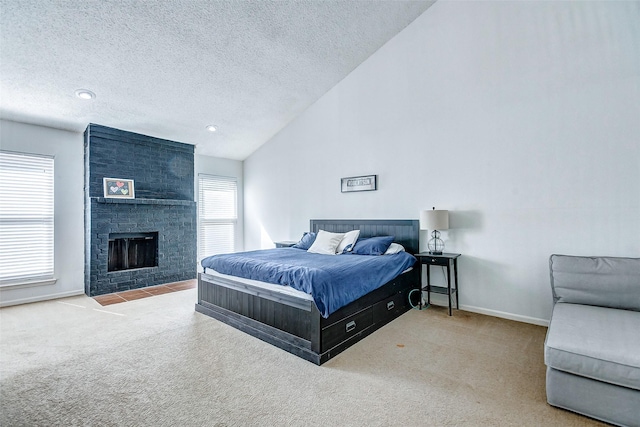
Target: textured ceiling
168, 68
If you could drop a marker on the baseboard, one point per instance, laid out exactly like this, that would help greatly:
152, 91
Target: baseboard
41, 298
504, 315
495, 313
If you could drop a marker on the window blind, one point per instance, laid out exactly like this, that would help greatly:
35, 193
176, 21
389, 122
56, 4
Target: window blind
26, 217
217, 214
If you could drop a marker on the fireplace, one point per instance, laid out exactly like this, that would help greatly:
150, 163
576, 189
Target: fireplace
151, 239
128, 251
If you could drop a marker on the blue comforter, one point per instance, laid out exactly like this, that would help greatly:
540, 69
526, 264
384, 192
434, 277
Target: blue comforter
332, 280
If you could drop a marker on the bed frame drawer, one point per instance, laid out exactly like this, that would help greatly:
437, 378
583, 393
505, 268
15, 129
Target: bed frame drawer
390, 308
346, 328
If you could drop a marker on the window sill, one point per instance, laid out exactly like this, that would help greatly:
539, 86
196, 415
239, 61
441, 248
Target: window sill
27, 284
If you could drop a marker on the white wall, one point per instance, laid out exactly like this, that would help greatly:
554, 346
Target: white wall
68, 151
224, 167
520, 118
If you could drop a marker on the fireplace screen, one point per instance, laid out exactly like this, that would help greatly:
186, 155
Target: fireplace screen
132, 250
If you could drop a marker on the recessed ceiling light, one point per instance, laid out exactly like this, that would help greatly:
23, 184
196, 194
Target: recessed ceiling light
85, 94
212, 128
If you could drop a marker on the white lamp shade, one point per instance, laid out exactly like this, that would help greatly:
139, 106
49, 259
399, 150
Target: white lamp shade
434, 220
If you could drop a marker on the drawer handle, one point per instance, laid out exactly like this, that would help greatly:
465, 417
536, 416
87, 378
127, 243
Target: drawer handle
351, 326
390, 305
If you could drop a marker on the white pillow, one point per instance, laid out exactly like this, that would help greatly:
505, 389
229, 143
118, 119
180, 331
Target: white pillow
394, 248
326, 243
348, 241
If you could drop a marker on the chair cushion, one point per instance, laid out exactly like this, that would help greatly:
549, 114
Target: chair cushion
595, 342
602, 281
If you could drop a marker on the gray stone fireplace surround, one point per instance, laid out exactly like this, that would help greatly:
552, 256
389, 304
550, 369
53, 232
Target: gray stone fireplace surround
163, 175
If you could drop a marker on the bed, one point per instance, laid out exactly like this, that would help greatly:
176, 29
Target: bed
292, 322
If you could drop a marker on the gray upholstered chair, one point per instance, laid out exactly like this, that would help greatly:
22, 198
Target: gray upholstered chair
592, 349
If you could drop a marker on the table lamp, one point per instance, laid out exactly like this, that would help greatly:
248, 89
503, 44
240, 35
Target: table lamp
435, 220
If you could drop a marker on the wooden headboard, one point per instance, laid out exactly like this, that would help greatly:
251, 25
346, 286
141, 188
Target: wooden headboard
406, 231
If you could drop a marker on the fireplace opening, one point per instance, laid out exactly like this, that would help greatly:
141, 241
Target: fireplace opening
132, 250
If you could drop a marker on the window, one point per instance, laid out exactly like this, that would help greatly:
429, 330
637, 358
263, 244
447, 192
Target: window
217, 215
26, 218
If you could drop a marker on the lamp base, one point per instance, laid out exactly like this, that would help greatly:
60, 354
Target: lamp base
435, 244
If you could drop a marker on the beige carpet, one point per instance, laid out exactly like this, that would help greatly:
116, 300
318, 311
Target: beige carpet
155, 362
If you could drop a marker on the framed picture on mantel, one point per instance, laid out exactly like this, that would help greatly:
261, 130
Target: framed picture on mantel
118, 188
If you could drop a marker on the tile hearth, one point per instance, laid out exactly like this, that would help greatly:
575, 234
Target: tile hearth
150, 291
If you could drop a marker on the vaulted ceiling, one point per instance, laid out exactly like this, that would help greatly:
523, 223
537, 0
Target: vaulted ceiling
169, 68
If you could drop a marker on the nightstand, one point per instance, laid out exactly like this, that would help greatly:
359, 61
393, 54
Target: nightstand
285, 244
450, 261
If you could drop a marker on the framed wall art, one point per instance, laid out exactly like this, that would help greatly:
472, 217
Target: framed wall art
359, 183
118, 188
